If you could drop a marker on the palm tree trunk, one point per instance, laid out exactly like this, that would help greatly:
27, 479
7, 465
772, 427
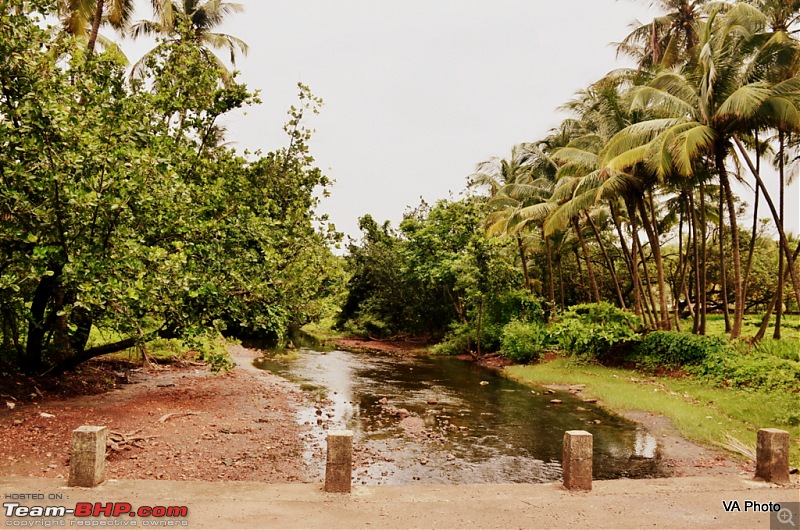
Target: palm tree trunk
680, 281
655, 250
634, 266
738, 301
752, 247
783, 240
771, 305
703, 293
779, 310
524, 263
587, 295
589, 266
551, 288
722, 274
649, 291
98, 17
626, 253
560, 281
610, 263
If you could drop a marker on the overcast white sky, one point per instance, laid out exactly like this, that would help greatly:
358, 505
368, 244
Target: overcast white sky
417, 92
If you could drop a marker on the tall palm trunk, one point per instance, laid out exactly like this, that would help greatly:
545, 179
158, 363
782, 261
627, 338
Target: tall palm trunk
560, 280
722, 274
641, 299
698, 326
680, 281
655, 250
752, 247
771, 305
98, 17
648, 282
738, 308
589, 266
551, 288
524, 261
783, 240
626, 256
703, 271
608, 260
779, 309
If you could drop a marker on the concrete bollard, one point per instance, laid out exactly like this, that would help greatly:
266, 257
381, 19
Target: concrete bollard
772, 456
339, 466
87, 461
577, 460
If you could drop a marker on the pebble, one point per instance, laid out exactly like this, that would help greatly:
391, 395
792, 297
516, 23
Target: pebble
555, 401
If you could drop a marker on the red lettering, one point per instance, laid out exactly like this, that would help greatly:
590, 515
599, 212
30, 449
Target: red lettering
100, 509
121, 508
177, 511
83, 509
159, 511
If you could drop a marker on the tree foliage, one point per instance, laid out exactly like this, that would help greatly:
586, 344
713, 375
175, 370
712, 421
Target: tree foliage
117, 210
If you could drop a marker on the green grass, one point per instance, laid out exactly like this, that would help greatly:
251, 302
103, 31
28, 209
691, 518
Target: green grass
715, 325
701, 413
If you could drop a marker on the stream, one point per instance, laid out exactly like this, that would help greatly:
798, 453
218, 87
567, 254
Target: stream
440, 420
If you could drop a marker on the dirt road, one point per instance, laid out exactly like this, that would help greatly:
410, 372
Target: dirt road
687, 502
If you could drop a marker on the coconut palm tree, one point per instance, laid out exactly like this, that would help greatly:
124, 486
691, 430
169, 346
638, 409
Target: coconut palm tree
83, 18
498, 173
194, 20
668, 38
698, 111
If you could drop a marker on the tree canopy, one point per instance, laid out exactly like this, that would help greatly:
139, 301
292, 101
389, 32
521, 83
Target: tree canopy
119, 211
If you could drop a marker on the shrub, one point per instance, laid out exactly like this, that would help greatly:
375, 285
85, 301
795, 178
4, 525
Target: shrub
595, 331
674, 349
523, 341
213, 350
757, 372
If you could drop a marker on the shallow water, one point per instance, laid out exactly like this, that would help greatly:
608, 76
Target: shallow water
467, 424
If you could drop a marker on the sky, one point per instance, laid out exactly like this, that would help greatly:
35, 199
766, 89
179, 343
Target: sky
417, 92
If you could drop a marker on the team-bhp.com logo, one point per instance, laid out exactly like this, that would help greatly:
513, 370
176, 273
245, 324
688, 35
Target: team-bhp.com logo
157, 515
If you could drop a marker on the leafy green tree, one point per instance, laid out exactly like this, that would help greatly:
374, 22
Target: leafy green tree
118, 214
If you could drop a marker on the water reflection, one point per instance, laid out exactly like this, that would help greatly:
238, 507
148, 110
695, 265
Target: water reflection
437, 420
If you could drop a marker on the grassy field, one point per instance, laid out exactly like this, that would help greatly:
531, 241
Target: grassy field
701, 413
788, 347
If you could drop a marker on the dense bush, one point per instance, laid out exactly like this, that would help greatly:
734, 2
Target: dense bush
757, 372
595, 331
674, 349
523, 341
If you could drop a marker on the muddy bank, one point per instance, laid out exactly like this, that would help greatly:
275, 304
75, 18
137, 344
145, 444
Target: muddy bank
171, 423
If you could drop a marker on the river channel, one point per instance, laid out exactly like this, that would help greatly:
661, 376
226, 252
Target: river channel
443, 420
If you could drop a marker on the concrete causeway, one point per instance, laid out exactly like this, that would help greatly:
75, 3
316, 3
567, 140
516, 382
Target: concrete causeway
689, 502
